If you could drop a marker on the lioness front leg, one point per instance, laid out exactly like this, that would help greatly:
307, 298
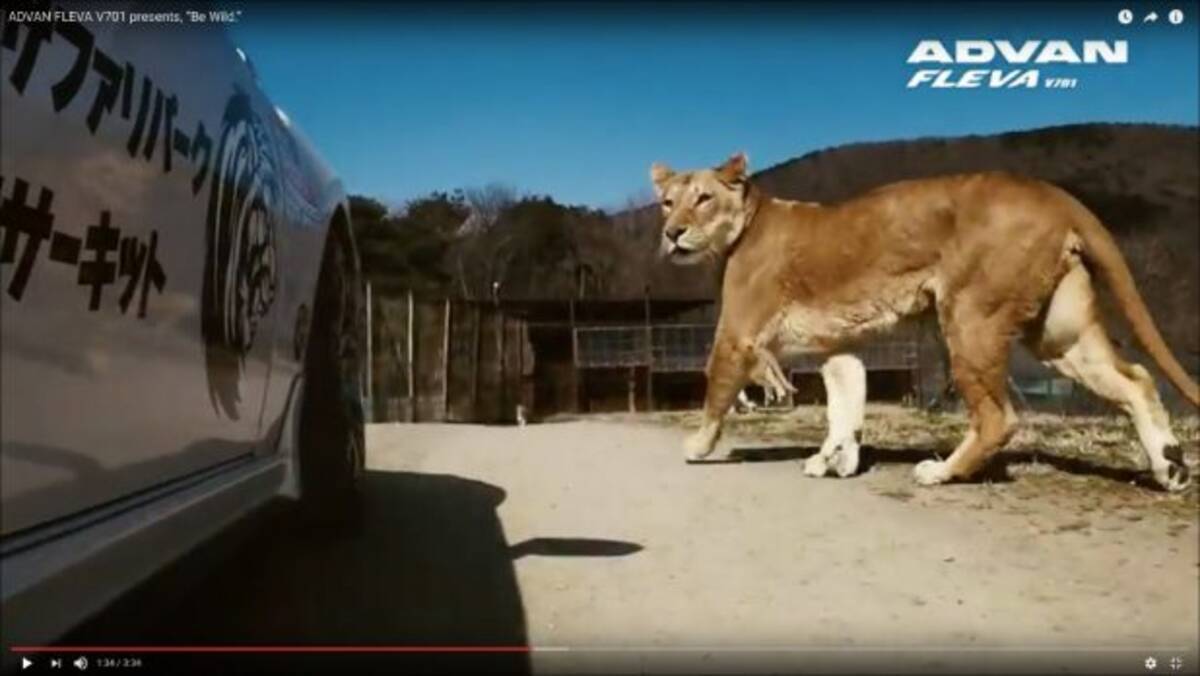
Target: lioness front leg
728, 371
846, 394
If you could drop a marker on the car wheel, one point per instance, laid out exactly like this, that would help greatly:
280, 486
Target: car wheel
331, 443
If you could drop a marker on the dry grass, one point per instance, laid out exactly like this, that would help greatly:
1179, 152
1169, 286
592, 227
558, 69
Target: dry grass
1086, 465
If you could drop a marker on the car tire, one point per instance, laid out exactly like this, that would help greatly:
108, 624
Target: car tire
331, 444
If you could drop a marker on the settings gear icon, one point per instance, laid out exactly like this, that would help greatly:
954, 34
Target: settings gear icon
1151, 663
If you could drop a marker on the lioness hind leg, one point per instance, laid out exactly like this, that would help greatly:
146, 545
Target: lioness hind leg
979, 365
1073, 340
845, 401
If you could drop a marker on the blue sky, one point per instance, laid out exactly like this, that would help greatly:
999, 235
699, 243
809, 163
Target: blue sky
576, 100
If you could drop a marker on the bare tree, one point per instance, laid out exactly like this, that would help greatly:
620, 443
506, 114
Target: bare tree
487, 203
638, 210
473, 255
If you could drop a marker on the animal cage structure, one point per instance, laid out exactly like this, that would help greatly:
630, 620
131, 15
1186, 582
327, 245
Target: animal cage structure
664, 364
667, 348
446, 360
439, 359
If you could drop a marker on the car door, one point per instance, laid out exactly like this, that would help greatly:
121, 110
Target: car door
139, 260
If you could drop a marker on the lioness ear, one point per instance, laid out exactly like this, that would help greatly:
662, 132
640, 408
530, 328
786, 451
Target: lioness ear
734, 169
659, 173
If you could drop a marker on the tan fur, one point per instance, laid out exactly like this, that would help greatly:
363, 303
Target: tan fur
997, 256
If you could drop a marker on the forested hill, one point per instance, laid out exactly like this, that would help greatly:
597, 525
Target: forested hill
1142, 181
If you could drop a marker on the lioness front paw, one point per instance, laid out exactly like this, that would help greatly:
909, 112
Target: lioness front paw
931, 472
815, 465
778, 391
698, 446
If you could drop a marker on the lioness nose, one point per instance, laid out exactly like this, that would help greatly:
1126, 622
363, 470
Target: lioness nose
673, 232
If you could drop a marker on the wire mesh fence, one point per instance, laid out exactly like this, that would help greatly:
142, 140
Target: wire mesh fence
470, 361
682, 347
611, 346
685, 347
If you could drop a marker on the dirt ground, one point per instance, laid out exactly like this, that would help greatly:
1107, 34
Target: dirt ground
592, 541
1063, 559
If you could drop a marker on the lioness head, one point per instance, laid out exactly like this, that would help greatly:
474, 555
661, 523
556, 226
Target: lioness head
703, 211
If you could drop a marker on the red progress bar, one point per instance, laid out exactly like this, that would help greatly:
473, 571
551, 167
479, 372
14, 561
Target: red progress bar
272, 649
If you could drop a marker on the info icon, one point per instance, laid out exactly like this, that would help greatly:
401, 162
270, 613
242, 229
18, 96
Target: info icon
1175, 16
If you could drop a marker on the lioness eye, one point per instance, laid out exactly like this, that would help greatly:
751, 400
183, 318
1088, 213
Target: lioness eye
703, 198
668, 203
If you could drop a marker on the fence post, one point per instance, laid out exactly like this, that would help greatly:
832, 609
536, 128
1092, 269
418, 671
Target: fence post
475, 364
920, 335
500, 353
446, 326
574, 359
370, 407
649, 352
520, 366
412, 371
631, 387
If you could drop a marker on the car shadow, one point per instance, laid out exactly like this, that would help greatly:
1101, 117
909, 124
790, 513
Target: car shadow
995, 471
430, 567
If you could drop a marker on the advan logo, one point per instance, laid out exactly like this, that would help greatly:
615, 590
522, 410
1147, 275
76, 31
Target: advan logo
1011, 65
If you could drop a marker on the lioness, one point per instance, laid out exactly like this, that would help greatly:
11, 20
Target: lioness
997, 256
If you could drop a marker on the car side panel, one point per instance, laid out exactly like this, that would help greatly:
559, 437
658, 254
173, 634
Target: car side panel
154, 359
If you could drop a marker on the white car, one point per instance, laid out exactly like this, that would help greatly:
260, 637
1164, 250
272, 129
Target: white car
181, 309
